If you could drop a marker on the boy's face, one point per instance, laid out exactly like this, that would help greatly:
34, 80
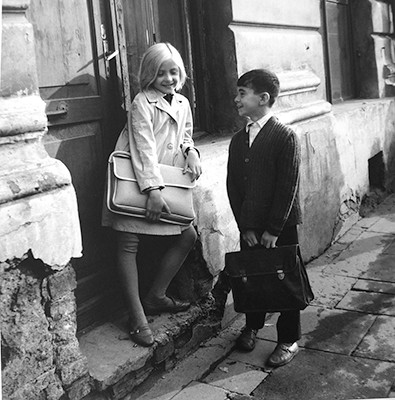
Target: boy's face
168, 77
251, 104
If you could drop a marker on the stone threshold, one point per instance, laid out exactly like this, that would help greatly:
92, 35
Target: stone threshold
116, 365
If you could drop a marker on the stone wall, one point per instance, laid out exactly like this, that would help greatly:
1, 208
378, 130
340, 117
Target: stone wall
40, 352
39, 234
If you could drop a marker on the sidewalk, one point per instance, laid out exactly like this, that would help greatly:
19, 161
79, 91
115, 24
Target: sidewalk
348, 343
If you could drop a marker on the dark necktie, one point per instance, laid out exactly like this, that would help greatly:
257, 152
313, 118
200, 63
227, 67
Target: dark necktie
168, 97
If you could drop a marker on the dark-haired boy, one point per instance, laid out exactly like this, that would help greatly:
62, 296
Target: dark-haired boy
262, 184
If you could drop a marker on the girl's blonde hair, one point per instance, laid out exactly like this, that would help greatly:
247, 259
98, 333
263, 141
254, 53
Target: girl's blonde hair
153, 59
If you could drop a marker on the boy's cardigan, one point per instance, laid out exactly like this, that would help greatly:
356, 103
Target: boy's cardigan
263, 180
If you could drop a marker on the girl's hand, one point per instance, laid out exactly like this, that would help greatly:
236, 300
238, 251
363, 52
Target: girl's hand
268, 240
250, 238
155, 205
192, 163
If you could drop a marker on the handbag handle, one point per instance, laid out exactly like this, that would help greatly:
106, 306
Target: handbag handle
118, 153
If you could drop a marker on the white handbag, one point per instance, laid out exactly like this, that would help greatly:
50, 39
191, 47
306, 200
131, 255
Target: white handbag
124, 195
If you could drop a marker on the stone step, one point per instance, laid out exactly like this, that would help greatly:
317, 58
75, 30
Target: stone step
191, 369
117, 365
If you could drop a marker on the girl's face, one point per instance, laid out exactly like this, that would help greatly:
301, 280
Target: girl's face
168, 77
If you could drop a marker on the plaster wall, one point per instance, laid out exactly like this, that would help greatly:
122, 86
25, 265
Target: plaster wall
279, 50
336, 148
32, 183
278, 12
282, 36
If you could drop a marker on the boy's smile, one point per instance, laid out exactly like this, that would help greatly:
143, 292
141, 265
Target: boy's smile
168, 77
250, 104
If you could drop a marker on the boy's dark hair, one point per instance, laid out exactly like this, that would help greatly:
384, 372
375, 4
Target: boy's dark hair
261, 80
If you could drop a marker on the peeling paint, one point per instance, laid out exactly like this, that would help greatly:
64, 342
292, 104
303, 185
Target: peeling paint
14, 187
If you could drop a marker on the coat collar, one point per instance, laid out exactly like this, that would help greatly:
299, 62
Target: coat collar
155, 97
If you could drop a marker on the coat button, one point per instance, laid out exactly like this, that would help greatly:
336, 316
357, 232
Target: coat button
247, 160
170, 146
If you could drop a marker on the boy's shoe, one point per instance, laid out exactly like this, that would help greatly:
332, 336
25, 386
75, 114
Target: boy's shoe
247, 339
283, 354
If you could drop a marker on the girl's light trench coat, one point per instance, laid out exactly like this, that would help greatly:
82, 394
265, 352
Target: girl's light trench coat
155, 132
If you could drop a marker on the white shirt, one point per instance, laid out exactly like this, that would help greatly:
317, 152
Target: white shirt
253, 128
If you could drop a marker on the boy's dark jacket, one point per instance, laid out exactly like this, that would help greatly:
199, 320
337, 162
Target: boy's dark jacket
263, 180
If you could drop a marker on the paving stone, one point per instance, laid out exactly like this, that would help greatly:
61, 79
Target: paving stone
328, 330
387, 206
257, 357
356, 259
194, 367
198, 334
382, 269
390, 249
367, 222
350, 236
269, 332
379, 342
385, 224
236, 396
319, 263
236, 377
333, 330
328, 289
316, 375
200, 391
374, 286
372, 303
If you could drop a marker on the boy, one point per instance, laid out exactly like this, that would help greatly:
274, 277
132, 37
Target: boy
262, 185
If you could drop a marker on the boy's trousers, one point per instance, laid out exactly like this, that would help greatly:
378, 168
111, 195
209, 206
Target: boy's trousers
288, 323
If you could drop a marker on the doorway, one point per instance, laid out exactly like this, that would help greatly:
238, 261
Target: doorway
78, 83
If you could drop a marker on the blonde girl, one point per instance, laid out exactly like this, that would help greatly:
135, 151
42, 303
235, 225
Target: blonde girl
159, 130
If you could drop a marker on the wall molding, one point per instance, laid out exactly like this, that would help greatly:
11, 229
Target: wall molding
297, 114
295, 82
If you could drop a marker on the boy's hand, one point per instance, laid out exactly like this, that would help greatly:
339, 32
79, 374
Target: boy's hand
192, 163
250, 238
155, 205
268, 240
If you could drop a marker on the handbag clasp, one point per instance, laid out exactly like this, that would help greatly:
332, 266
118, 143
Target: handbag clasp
243, 274
280, 274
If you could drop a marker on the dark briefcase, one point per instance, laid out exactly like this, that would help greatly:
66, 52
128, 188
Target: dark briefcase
268, 280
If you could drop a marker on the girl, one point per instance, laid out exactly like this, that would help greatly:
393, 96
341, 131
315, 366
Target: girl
158, 130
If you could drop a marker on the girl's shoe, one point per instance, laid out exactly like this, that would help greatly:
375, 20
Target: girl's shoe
142, 336
167, 304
